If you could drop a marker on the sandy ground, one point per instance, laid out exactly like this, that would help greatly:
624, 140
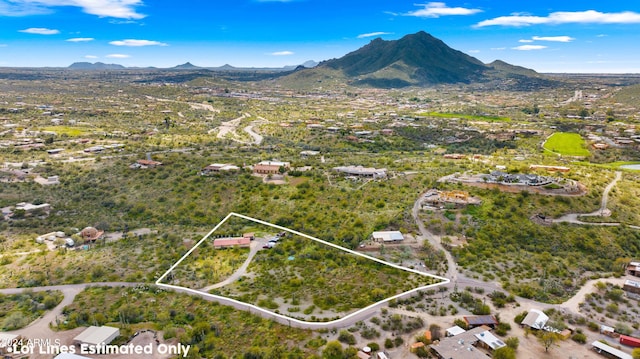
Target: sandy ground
229, 127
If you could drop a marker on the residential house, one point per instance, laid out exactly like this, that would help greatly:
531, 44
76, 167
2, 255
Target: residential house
94, 149
146, 164
455, 156
219, 243
30, 209
488, 341
91, 234
466, 344
365, 172
387, 236
217, 168
49, 181
270, 167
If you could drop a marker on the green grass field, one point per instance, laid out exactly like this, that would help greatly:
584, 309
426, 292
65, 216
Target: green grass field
568, 144
66, 130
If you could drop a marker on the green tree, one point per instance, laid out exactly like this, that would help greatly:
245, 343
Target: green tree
584, 112
548, 340
346, 337
504, 353
333, 350
512, 342
13, 321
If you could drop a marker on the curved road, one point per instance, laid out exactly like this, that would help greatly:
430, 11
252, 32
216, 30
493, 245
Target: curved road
256, 245
40, 327
601, 212
452, 272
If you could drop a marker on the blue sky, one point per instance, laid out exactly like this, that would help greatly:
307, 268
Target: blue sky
548, 36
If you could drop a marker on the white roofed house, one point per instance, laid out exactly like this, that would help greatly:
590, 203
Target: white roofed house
365, 172
218, 167
387, 236
489, 341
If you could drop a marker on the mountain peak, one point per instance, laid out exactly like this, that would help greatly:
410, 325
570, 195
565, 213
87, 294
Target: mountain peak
186, 66
415, 59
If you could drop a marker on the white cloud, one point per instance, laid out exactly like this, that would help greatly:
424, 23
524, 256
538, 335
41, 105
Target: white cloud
3, 45
474, 51
90, 57
498, 48
118, 56
81, 39
40, 31
525, 40
437, 9
372, 34
553, 38
281, 53
124, 9
565, 17
529, 47
137, 43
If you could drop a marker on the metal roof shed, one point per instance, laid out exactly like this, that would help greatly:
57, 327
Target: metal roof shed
97, 335
616, 353
536, 319
70, 356
478, 320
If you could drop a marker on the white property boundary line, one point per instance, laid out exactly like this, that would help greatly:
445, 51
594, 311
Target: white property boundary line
283, 319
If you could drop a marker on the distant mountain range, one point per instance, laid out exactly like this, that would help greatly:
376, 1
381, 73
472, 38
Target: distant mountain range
414, 60
95, 66
187, 66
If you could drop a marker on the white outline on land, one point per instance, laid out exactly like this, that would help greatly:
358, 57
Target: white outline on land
345, 321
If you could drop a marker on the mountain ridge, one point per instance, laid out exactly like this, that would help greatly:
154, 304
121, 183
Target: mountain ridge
417, 59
